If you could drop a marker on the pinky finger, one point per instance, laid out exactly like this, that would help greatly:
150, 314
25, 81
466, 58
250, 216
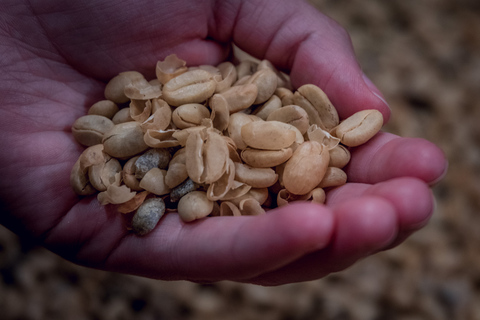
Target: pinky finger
363, 226
412, 198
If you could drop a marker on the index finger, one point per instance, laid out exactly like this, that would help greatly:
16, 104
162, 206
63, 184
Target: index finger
298, 39
387, 156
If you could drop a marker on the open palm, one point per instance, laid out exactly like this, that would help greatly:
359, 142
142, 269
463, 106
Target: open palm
55, 59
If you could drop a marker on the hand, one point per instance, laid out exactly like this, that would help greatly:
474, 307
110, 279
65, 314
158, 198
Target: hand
56, 56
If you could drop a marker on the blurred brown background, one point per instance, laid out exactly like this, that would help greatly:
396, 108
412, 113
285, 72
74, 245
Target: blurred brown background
425, 56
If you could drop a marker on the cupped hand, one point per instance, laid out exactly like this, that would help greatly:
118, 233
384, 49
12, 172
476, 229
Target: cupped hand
56, 57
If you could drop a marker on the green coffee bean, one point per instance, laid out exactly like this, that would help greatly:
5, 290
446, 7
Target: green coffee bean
147, 216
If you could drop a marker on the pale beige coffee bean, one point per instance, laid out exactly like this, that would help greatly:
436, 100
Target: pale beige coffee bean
140, 110
114, 89
79, 180
339, 156
169, 68
158, 104
318, 195
142, 90
299, 138
260, 195
161, 138
265, 64
179, 157
215, 157
232, 149
123, 115
153, 158
293, 115
283, 80
102, 175
128, 175
237, 121
227, 209
210, 69
194, 205
193, 86
161, 116
229, 76
124, 140
266, 82
285, 197
147, 216
319, 100
220, 115
239, 97
134, 203
315, 133
301, 101
265, 158
91, 156
237, 190
334, 177
250, 207
219, 189
242, 81
359, 127
206, 156
272, 104
176, 174
268, 135
286, 95
116, 193
154, 182
255, 177
182, 135
104, 108
246, 68
89, 130
189, 115
306, 168
155, 82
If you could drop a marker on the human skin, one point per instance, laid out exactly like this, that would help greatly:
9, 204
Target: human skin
56, 57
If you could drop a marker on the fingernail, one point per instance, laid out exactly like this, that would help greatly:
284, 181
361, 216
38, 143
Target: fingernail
374, 89
441, 176
422, 223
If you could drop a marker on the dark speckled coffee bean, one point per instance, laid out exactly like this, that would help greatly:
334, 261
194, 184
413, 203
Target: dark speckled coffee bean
182, 189
148, 215
153, 158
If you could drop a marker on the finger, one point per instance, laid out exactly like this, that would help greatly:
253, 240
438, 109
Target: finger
363, 226
312, 47
412, 199
212, 249
387, 156
409, 207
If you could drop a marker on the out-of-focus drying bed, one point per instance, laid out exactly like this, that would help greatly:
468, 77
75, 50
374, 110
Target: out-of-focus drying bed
425, 57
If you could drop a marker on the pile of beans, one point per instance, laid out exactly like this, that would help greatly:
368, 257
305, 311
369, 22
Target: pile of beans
226, 140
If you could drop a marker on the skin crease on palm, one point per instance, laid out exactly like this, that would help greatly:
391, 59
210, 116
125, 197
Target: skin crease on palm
56, 57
